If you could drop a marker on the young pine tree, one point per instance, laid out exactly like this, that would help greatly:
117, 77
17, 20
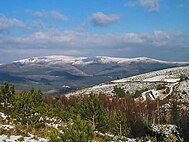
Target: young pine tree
78, 130
91, 109
119, 91
6, 92
23, 107
119, 125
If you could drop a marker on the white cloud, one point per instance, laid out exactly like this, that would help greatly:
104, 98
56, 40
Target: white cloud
101, 19
158, 44
7, 24
150, 5
55, 15
78, 40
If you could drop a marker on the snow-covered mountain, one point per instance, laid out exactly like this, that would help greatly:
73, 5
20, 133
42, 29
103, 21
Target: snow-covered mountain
50, 72
48, 60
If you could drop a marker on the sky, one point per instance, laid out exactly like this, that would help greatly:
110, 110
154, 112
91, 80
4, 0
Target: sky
119, 28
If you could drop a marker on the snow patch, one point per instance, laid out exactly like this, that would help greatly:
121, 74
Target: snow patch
165, 129
3, 116
12, 138
6, 127
171, 80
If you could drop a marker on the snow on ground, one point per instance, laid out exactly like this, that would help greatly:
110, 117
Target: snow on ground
53, 122
3, 116
163, 78
6, 127
100, 86
171, 80
108, 88
168, 75
119, 81
172, 73
12, 138
184, 89
115, 137
165, 129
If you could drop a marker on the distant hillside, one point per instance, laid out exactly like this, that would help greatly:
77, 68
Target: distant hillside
178, 76
61, 74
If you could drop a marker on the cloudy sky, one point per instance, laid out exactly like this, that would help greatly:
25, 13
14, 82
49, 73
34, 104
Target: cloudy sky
119, 28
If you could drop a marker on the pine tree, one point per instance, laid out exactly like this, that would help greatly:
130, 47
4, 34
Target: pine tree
91, 109
6, 92
119, 125
119, 91
23, 107
37, 100
78, 131
37, 96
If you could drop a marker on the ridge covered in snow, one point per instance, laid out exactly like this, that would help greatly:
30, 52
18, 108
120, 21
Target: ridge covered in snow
87, 60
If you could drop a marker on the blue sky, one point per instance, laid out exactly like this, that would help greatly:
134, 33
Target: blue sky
125, 28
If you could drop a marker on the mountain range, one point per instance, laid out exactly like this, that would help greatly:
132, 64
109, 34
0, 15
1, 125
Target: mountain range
62, 74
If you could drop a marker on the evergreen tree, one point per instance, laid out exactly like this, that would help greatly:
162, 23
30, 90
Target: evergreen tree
37, 99
23, 107
119, 91
119, 125
78, 131
91, 109
58, 110
37, 96
6, 92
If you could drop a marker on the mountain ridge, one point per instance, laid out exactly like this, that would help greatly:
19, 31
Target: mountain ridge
83, 60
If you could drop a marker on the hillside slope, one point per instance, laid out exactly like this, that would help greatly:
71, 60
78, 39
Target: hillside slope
178, 77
